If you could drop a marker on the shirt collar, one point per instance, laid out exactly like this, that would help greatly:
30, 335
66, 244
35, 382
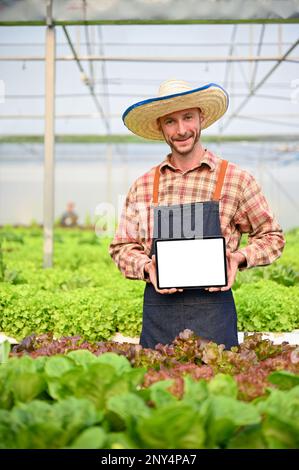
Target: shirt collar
208, 158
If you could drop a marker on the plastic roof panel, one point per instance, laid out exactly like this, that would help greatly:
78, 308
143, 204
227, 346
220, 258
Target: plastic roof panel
77, 11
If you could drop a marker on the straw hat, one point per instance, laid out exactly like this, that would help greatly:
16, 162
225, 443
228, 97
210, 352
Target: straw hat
175, 95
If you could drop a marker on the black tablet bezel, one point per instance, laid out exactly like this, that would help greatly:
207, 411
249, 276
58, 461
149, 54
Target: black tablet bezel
158, 240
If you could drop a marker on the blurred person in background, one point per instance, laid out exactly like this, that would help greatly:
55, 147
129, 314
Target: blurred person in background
69, 218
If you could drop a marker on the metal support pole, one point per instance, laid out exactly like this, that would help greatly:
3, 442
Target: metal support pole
109, 155
49, 140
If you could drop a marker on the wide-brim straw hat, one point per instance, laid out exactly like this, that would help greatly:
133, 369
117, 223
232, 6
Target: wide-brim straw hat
175, 95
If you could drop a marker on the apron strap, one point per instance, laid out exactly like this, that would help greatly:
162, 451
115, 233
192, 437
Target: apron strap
217, 192
219, 184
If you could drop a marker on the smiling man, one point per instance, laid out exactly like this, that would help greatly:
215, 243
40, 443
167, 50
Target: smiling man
191, 176
181, 130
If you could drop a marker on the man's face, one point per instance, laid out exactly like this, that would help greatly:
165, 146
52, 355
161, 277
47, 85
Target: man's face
182, 129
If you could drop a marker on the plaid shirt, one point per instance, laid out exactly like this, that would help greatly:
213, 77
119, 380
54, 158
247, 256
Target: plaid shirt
242, 206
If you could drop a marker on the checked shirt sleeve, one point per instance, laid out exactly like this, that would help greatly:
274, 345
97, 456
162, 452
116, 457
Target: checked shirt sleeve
127, 248
254, 216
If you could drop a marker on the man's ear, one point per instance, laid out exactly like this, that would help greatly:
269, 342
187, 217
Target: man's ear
201, 115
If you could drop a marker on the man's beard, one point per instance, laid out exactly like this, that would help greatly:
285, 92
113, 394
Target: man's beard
189, 148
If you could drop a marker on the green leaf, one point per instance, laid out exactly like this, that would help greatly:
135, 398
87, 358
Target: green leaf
279, 434
120, 363
195, 391
128, 406
283, 379
92, 383
251, 437
25, 364
175, 426
40, 425
57, 366
281, 418
282, 404
120, 440
223, 384
82, 357
27, 386
4, 351
159, 393
7, 433
34, 426
21, 379
225, 417
91, 438
134, 377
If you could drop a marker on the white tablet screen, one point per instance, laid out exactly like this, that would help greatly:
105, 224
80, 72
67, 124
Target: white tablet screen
191, 263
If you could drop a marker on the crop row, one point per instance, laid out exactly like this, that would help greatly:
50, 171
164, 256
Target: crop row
85, 294
90, 397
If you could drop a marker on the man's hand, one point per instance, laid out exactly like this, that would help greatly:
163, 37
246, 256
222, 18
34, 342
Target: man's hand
233, 262
150, 268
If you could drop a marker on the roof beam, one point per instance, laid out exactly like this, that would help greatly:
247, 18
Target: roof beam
270, 58
260, 83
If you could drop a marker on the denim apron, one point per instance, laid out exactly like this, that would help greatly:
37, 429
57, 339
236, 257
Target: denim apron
211, 315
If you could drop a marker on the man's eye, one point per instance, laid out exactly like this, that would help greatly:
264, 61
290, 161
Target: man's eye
189, 116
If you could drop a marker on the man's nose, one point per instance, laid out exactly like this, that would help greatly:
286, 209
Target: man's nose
181, 130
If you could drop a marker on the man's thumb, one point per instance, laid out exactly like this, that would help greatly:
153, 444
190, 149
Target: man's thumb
154, 259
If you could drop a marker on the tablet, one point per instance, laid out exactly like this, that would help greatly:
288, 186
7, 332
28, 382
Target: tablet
191, 263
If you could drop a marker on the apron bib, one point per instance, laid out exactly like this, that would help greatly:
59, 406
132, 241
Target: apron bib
211, 315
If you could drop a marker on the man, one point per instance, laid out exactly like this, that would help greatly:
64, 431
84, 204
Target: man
69, 218
231, 204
